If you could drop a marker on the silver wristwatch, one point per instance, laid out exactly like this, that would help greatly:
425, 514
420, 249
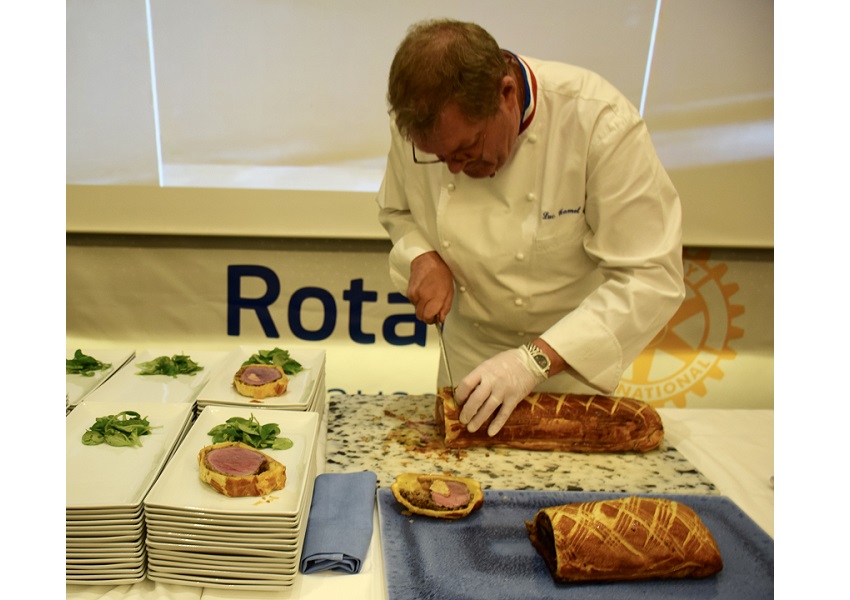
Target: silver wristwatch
539, 357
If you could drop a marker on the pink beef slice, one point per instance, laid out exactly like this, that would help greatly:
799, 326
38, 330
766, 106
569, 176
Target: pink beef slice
233, 460
458, 495
259, 375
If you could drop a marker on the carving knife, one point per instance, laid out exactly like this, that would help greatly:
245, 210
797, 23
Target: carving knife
445, 356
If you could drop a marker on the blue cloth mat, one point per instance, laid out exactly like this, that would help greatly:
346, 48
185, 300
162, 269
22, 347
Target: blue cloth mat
339, 528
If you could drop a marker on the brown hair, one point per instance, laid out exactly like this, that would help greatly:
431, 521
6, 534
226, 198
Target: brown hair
444, 61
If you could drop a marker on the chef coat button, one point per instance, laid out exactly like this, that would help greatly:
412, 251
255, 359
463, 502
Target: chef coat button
518, 301
462, 289
476, 325
520, 334
451, 187
531, 197
520, 256
532, 137
446, 243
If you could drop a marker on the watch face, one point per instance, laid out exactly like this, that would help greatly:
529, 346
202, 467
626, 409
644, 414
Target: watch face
541, 360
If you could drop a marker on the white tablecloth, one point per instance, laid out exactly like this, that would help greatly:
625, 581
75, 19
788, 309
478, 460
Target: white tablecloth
732, 448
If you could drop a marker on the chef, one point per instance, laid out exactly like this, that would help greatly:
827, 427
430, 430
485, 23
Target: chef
529, 214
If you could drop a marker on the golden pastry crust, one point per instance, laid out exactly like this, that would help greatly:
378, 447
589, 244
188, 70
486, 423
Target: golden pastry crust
628, 538
566, 422
269, 477
416, 492
260, 391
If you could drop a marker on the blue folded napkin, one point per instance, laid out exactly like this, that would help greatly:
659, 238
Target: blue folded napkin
339, 529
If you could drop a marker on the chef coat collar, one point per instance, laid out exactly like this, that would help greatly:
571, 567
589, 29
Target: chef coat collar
530, 83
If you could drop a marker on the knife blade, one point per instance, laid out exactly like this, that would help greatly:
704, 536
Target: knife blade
445, 356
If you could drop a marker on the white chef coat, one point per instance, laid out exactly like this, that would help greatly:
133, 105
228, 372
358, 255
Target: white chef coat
576, 240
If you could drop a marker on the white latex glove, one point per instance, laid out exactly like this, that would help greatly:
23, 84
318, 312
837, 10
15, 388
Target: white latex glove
502, 381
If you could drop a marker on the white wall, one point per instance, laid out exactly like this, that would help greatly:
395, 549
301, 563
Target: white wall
289, 95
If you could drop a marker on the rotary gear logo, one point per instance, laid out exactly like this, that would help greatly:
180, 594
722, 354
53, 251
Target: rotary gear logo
690, 348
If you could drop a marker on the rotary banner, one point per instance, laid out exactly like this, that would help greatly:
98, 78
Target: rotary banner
144, 291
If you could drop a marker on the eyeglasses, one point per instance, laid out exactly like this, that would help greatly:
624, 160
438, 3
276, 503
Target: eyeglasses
468, 158
418, 161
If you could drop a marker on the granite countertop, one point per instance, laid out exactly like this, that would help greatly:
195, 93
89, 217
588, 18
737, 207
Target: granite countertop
391, 435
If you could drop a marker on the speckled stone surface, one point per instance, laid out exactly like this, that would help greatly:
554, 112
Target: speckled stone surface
397, 434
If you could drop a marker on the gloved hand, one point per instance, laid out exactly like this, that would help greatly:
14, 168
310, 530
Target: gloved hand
500, 381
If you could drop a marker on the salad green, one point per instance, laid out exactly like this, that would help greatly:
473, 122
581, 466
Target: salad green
179, 364
278, 357
83, 364
249, 431
123, 429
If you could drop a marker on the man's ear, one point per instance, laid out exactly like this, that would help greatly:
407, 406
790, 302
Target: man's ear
509, 89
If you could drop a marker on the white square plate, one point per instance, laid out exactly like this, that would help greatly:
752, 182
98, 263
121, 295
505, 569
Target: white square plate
127, 384
180, 485
221, 391
177, 564
78, 387
118, 476
242, 585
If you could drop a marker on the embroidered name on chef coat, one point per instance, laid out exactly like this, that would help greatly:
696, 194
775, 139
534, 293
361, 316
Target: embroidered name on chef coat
564, 211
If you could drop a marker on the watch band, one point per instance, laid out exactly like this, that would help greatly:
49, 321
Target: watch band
539, 357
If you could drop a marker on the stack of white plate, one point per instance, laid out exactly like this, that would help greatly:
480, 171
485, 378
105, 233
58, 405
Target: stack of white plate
104, 489
305, 390
199, 537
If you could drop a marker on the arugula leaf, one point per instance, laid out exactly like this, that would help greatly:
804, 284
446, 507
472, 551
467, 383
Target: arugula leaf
179, 364
123, 429
83, 364
282, 444
277, 357
249, 431
93, 438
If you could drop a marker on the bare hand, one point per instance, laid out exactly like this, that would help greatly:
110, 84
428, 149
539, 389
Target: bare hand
430, 288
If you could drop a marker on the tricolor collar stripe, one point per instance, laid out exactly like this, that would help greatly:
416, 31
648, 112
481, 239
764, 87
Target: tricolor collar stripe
530, 83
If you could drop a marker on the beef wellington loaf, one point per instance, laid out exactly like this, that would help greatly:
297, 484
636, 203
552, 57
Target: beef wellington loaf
237, 469
440, 496
628, 538
565, 422
260, 381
